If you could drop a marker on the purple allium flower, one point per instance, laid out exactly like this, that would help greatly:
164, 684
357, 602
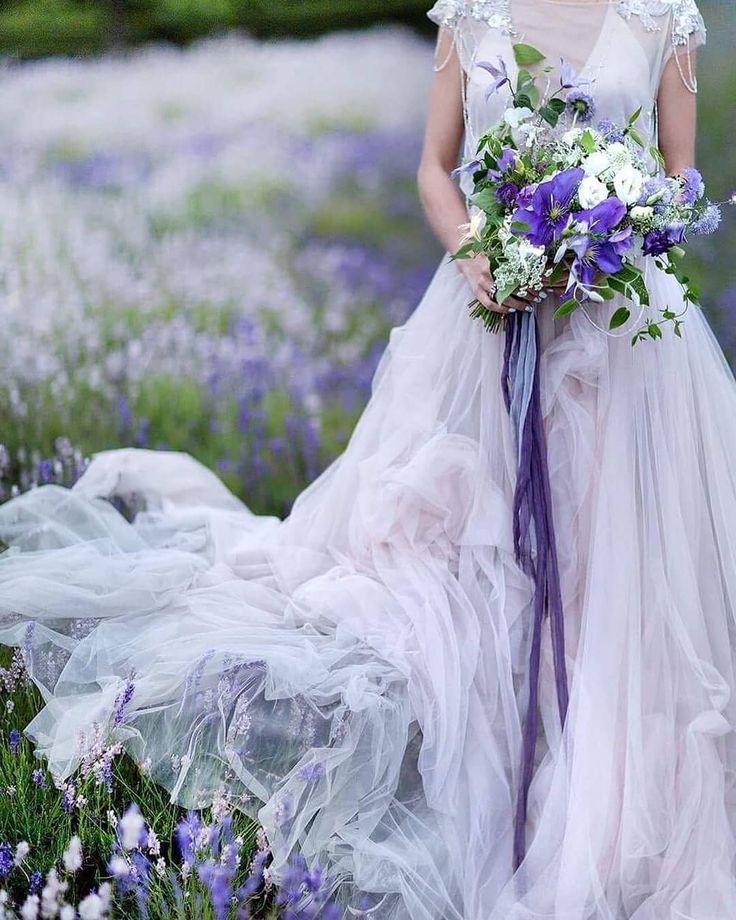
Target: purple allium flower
580, 105
548, 213
7, 859
657, 242
693, 188
611, 131
707, 222
499, 74
14, 741
34, 883
39, 779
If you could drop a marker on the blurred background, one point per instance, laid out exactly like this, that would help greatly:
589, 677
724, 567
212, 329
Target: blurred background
209, 223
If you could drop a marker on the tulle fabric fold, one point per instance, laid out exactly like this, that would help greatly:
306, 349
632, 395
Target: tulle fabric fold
355, 676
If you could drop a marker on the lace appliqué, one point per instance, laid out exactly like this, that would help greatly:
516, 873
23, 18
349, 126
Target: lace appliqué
495, 13
686, 18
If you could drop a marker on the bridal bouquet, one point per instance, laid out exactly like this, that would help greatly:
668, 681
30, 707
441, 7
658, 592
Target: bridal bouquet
561, 202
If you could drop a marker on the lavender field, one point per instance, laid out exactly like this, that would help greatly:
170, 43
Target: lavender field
205, 249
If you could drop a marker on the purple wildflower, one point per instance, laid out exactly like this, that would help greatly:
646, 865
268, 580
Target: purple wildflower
254, 882
708, 221
693, 187
68, 797
39, 779
657, 192
311, 772
549, 210
657, 242
580, 105
611, 131
469, 167
122, 701
507, 194
599, 248
7, 859
187, 831
499, 74
569, 78
14, 741
34, 883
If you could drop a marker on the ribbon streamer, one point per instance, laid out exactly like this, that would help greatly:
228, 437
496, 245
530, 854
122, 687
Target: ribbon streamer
534, 537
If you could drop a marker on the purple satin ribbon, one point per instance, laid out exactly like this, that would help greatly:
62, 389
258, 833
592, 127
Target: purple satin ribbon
534, 537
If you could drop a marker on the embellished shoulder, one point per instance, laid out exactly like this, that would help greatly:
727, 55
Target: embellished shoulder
686, 22
494, 13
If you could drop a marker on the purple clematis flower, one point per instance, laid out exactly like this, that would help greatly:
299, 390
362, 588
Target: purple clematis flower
499, 74
600, 247
657, 242
469, 167
569, 78
549, 210
505, 164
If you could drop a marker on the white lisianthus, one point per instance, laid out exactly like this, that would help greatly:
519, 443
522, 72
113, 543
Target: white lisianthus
477, 223
596, 163
641, 212
514, 116
628, 183
591, 192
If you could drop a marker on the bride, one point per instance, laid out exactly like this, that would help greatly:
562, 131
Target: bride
358, 673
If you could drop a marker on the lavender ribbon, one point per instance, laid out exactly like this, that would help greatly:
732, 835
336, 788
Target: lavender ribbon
534, 537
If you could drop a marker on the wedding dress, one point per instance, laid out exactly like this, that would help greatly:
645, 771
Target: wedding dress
356, 676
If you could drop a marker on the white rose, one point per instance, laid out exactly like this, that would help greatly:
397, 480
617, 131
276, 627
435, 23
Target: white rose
596, 163
641, 212
514, 116
628, 183
591, 192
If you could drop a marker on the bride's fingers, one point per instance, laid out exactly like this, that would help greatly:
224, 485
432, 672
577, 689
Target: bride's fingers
482, 296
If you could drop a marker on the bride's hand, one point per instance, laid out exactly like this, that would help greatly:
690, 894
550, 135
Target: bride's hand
477, 272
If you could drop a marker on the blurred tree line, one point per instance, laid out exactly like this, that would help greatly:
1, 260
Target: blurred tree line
33, 28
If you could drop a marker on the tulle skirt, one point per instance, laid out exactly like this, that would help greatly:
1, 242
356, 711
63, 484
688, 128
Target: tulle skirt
356, 676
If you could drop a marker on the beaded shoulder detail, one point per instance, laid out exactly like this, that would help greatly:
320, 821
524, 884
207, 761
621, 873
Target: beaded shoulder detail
495, 13
686, 17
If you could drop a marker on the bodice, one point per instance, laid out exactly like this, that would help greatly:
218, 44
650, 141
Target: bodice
620, 46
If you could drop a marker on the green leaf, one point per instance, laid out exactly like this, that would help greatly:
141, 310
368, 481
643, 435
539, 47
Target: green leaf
619, 318
463, 252
619, 286
522, 101
566, 307
587, 142
526, 55
656, 154
557, 104
654, 331
606, 292
549, 115
676, 254
636, 137
635, 117
519, 226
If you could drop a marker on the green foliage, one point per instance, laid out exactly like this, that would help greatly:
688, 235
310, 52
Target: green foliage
32, 29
